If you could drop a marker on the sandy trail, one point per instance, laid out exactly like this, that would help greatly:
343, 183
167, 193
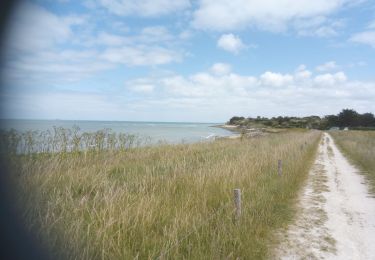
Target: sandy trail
336, 218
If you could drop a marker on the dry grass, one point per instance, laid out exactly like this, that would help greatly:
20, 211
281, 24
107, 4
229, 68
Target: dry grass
359, 146
168, 201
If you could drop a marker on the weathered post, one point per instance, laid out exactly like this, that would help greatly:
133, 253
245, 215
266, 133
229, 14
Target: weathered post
279, 167
237, 204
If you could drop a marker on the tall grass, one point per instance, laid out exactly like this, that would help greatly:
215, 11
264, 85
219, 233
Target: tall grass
62, 140
359, 146
166, 202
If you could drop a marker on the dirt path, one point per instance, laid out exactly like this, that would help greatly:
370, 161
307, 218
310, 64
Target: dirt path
336, 218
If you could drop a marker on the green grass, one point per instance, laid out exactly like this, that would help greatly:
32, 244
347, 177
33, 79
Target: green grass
174, 201
359, 146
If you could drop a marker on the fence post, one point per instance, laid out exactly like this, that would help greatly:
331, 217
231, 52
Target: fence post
237, 203
279, 167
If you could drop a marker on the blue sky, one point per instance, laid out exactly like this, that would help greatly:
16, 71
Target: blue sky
185, 60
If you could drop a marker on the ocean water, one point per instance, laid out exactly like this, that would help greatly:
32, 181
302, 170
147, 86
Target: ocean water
156, 131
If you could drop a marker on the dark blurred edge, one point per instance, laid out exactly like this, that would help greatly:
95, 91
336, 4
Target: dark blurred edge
15, 241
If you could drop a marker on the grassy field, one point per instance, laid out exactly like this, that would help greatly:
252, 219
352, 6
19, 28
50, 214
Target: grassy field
166, 202
359, 146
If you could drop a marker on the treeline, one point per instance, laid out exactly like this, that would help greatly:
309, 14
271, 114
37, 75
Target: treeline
346, 118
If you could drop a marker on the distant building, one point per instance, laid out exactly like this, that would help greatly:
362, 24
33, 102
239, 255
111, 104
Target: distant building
334, 128
346, 129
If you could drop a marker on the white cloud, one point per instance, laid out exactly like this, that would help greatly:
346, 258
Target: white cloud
273, 15
202, 85
270, 93
185, 35
109, 39
325, 31
221, 68
224, 83
231, 43
140, 55
366, 37
302, 74
318, 26
275, 79
145, 8
205, 96
328, 66
147, 35
53, 67
330, 79
45, 48
34, 28
154, 34
143, 88
140, 85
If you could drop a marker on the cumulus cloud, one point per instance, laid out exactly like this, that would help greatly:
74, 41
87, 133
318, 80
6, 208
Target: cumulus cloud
302, 73
230, 43
330, 79
270, 93
328, 66
222, 82
145, 8
273, 15
275, 79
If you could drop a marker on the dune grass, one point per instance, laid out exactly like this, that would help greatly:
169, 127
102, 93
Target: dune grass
164, 202
359, 146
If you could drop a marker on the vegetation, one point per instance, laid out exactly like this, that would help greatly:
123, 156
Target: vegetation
64, 140
346, 118
166, 202
360, 147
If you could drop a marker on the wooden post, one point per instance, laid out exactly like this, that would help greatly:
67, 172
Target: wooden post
279, 167
237, 204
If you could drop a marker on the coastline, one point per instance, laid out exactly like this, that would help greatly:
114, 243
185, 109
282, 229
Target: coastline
232, 128
242, 132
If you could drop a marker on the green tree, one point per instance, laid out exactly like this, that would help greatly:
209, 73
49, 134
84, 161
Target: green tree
347, 118
367, 120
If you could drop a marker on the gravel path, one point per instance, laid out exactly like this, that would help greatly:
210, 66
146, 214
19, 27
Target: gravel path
336, 218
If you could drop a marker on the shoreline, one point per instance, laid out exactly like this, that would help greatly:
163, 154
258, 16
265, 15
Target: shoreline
240, 131
236, 132
231, 128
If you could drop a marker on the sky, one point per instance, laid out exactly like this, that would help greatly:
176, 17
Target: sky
188, 60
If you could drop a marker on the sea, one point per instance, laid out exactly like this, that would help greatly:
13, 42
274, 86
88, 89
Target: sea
169, 132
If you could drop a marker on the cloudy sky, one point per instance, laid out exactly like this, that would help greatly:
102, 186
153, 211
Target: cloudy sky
188, 60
